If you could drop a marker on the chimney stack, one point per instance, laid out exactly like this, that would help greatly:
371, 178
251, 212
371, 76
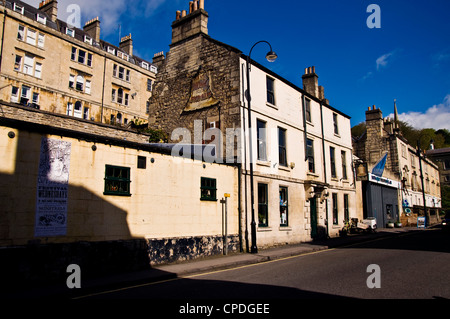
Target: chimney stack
92, 27
311, 82
126, 44
50, 7
187, 25
158, 59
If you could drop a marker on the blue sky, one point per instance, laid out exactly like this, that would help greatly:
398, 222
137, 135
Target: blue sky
407, 59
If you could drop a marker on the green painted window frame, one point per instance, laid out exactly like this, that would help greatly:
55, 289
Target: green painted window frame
208, 189
117, 180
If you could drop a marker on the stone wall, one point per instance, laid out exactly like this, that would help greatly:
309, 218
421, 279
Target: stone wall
186, 248
186, 61
38, 264
33, 116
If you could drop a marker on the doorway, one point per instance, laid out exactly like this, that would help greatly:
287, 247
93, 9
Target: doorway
313, 216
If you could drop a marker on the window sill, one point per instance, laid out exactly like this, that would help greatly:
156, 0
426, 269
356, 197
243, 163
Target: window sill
337, 135
312, 174
116, 194
285, 228
272, 105
263, 229
263, 163
208, 200
284, 168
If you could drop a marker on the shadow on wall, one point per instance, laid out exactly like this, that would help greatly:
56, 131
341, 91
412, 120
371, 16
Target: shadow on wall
40, 207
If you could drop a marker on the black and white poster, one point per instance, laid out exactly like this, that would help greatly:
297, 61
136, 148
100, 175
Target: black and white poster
52, 188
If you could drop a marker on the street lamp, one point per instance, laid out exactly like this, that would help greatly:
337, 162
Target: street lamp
271, 57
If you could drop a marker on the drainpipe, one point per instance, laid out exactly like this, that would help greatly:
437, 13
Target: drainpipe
324, 166
241, 248
304, 126
5, 13
103, 90
245, 164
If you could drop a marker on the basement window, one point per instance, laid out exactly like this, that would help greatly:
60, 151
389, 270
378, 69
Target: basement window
208, 189
117, 181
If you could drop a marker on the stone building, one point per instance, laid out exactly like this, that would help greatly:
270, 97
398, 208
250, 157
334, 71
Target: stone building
395, 192
48, 64
441, 157
301, 145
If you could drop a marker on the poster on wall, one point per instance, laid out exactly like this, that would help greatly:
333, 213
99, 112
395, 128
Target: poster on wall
52, 188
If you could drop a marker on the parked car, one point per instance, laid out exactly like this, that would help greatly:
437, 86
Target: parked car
446, 221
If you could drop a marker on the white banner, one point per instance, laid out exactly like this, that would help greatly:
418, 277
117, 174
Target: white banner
52, 188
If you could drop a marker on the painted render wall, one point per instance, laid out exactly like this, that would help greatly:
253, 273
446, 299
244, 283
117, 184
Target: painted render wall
164, 202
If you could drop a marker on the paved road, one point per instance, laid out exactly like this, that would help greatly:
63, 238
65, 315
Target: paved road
410, 266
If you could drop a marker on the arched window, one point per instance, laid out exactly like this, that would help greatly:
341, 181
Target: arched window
80, 83
77, 111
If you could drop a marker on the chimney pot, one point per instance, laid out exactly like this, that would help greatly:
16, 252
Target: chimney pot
201, 4
191, 6
183, 13
178, 15
313, 69
195, 6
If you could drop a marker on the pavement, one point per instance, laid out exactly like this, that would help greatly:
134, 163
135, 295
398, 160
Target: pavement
201, 265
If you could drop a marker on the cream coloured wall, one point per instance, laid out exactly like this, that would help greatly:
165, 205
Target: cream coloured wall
164, 202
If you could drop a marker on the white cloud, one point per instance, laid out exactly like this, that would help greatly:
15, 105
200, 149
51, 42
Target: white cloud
436, 116
382, 61
109, 11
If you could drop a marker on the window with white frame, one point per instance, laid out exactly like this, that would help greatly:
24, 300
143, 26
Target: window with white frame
89, 59
25, 95
86, 113
28, 65
88, 39
73, 56
38, 70
69, 109
41, 40
111, 50
15, 94
149, 85
31, 36
71, 81
81, 56
18, 8
335, 124
80, 83
70, 32
35, 99
77, 111
21, 33
18, 63
41, 18
87, 89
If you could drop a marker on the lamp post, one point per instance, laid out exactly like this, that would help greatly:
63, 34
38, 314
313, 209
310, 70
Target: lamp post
271, 57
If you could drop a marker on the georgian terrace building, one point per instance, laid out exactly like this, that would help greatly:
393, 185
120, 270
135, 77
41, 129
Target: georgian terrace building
301, 146
50, 65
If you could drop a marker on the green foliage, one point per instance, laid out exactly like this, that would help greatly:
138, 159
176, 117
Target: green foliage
445, 197
440, 138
